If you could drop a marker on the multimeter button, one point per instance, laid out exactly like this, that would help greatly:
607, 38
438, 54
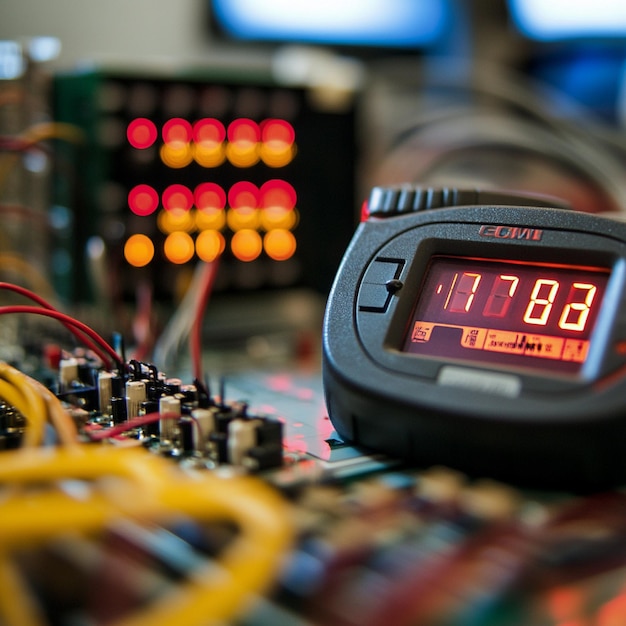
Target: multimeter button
380, 272
374, 293
373, 298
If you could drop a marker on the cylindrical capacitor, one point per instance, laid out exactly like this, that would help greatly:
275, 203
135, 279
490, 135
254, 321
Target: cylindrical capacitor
241, 438
135, 395
168, 405
204, 425
68, 372
105, 392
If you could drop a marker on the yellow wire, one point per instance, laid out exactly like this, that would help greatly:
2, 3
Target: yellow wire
16, 604
37, 404
60, 419
31, 405
153, 489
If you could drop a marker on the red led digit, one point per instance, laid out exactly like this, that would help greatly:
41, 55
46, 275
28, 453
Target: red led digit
463, 295
541, 301
502, 292
575, 314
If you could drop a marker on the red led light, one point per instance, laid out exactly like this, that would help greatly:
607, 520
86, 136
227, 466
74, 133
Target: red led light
176, 132
243, 195
143, 200
209, 197
244, 131
208, 136
277, 193
141, 133
276, 131
177, 197
277, 147
244, 136
209, 132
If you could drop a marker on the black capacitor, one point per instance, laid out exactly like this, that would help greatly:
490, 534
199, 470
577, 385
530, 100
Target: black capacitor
118, 410
171, 386
185, 428
154, 390
86, 373
118, 387
267, 456
147, 407
221, 445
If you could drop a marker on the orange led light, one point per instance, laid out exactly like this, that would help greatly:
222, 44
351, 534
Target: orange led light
209, 156
141, 133
246, 245
246, 217
277, 217
209, 245
176, 156
279, 244
177, 197
138, 250
178, 247
176, 219
143, 200
210, 219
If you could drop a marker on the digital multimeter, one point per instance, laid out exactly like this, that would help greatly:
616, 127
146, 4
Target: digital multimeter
484, 332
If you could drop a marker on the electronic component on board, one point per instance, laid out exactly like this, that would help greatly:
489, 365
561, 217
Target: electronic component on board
483, 332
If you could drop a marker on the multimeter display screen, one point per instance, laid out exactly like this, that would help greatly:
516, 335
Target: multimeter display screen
506, 312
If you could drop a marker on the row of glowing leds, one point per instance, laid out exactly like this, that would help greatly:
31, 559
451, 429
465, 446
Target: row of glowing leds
270, 207
208, 197
209, 143
179, 247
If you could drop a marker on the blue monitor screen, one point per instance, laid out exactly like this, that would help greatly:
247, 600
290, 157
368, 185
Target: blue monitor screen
557, 20
370, 23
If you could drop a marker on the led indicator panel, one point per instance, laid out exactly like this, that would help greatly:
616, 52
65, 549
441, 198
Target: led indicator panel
508, 313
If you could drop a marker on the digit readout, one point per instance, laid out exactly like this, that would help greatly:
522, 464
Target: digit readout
507, 312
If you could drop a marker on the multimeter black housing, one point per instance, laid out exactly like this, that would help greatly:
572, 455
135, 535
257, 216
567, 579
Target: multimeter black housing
520, 385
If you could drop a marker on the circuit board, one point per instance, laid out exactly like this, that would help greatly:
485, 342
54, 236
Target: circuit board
234, 499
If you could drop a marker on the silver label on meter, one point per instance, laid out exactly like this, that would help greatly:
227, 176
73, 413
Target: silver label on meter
506, 385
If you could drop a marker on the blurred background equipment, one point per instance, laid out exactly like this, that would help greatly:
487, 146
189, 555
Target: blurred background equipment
178, 183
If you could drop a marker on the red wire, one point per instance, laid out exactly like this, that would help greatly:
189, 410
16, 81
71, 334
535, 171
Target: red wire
135, 422
67, 321
209, 272
46, 305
